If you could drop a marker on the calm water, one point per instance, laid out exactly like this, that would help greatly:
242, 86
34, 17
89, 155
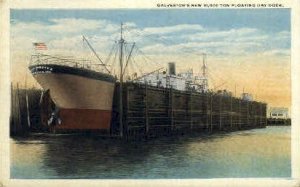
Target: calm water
251, 153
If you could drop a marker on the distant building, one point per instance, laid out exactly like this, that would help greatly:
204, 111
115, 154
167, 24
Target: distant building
279, 112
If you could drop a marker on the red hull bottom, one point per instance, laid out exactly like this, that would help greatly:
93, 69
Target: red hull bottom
84, 119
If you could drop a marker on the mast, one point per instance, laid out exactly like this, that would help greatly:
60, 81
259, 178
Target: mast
204, 78
204, 65
121, 42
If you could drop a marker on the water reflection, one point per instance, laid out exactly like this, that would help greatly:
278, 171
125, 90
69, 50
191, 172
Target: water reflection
238, 154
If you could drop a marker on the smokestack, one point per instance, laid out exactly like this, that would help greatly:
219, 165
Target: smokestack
172, 70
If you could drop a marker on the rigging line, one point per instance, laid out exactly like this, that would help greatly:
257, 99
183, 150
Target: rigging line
127, 64
110, 53
210, 75
95, 53
184, 51
125, 57
213, 84
133, 66
150, 36
114, 60
146, 58
136, 66
227, 79
230, 78
223, 83
130, 68
125, 50
168, 58
136, 61
166, 42
211, 79
162, 41
134, 69
140, 35
215, 75
142, 53
147, 62
128, 58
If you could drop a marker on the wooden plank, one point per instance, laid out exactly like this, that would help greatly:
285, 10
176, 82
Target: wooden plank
146, 111
211, 113
231, 112
220, 112
171, 109
190, 110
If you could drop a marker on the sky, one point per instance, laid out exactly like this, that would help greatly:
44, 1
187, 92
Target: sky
247, 49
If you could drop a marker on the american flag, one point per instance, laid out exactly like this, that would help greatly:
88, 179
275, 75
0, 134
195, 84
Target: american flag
40, 46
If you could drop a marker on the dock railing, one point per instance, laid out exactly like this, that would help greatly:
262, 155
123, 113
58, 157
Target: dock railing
45, 59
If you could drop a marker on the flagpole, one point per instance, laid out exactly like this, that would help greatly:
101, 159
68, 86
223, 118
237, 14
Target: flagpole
38, 47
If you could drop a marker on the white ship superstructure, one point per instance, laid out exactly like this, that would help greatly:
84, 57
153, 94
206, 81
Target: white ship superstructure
185, 81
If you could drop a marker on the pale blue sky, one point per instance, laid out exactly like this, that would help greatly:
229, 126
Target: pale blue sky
270, 20
215, 31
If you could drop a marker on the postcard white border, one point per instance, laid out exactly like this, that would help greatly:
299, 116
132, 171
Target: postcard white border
5, 180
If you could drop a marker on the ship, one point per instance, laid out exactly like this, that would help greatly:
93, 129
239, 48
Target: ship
80, 91
81, 95
84, 96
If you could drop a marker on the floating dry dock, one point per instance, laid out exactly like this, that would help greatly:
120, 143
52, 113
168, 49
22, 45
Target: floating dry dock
149, 111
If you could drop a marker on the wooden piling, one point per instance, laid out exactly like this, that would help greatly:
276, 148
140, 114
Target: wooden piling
211, 113
231, 113
248, 124
27, 108
191, 110
171, 116
206, 111
146, 111
20, 124
240, 121
260, 120
126, 112
220, 112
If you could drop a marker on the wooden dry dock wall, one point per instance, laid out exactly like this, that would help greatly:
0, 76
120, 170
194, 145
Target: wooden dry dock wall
149, 111
25, 110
